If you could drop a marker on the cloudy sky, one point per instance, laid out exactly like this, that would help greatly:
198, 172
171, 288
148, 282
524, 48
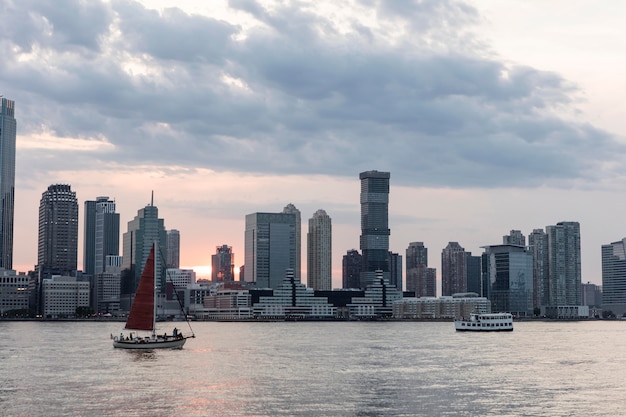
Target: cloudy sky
490, 115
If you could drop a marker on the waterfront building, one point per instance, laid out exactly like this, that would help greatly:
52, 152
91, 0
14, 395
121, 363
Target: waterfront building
395, 270
145, 229
293, 300
8, 133
57, 251
538, 245
14, 291
291, 209
592, 295
614, 277
509, 270
351, 266
474, 274
453, 269
319, 251
270, 248
377, 300
564, 269
229, 304
101, 234
419, 278
374, 240
445, 307
173, 249
180, 278
223, 264
107, 286
62, 295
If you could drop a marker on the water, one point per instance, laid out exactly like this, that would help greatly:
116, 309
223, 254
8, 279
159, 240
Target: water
316, 369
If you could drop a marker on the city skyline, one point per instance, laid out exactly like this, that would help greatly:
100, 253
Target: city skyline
509, 118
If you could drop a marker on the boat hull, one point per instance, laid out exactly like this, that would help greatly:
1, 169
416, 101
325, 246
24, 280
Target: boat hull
150, 343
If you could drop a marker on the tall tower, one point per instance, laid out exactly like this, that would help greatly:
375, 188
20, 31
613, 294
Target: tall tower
351, 266
375, 232
57, 248
270, 247
8, 132
319, 252
223, 264
418, 277
614, 277
538, 245
173, 249
143, 231
564, 270
291, 209
101, 234
453, 269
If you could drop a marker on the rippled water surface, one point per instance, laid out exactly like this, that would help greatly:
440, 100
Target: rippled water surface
316, 369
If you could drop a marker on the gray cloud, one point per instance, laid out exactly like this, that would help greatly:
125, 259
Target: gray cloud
294, 94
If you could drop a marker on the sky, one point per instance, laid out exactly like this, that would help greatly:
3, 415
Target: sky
489, 115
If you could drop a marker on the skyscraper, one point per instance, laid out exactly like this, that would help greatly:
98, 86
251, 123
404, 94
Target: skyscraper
319, 252
375, 231
173, 249
352, 263
453, 269
291, 209
101, 234
270, 248
145, 229
614, 277
223, 264
8, 132
564, 269
538, 245
57, 248
418, 277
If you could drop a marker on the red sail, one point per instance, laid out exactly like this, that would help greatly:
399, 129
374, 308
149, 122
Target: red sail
141, 315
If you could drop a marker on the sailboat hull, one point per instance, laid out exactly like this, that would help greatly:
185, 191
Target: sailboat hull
149, 343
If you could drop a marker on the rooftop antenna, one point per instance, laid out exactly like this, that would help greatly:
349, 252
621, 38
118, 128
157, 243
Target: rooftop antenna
152, 199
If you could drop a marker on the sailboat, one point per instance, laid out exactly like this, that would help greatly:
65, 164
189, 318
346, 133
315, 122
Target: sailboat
142, 316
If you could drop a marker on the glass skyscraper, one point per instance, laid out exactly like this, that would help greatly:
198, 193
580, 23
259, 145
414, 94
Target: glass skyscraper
8, 131
102, 234
375, 231
614, 277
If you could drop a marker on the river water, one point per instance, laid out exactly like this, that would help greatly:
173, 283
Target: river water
317, 369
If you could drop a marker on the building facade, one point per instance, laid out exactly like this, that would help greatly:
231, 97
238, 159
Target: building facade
270, 248
57, 252
453, 269
374, 240
62, 295
538, 245
101, 234
14, 291
8, 133
319, 252
352, 263
173, 249
223, 264
419, 278
614, 277
564, 267
291, 209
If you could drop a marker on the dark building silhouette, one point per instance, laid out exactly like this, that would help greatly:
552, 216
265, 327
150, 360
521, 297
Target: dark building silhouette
351, 269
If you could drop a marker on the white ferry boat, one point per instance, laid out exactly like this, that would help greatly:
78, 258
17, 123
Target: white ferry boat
486, 322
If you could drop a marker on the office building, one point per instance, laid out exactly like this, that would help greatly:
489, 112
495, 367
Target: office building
453, 269
8, 133
57, 252
223, 264
509, 271
319, 251
395, 270
374, 240
173, 249
106, 292
291, 209
592, 295
564, 268
101, 234
419, 278
14, 292
614, 277
62, 295
538, 245
352, 264
474, 274
142, 232
270, 248
515, 237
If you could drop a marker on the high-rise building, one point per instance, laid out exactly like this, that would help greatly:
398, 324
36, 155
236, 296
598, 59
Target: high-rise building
143, 231
8, 132
352, 263
509, 272
564, 269
538, 245
223, 264
173, 249
474, 274
419, 278
453, 269
395, 270
614, 277
319, 252
101, 234
270, 248
592, 295
57, 249
297, 269
515, 237
374, 240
